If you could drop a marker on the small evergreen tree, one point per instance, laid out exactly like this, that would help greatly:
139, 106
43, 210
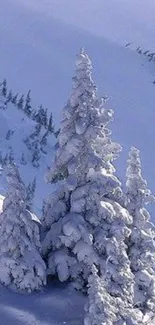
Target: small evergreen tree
36, 132
20, 103
30, 192
5, 160
43, 207
45, 121
9, 97
2, 104
28, 143
50, 124
9, 134
11, 158
141, 242
43, 142
56, 133
23, 160
14, 99
33, 114
33, 186
35, 153
21, 265
4, 88
41, 116
1, 158
32, 142
2, 97
28, 107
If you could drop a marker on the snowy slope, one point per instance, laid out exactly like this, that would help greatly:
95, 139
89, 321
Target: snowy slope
116, 20
22, 126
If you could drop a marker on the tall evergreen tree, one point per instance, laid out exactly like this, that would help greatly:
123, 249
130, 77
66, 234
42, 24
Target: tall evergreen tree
84, 220
21, 265
141, 242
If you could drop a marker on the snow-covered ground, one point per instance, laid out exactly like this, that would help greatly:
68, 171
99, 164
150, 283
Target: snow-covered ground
56, 305
38, 43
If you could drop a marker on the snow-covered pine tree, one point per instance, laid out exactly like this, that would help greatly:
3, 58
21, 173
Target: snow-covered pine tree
14, 99
84, 220
2, 103
33, 137
50, 124
30, 192
46, 118
11, 158
9, 134
56, 133
20, 103
43, 142
1, 160
5, 160
9, 97
28, 107
33, 186
4, 88
2, 98
23, 160
141, 242
36, 131
21, 265
36, 154
33, 143
41, 116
